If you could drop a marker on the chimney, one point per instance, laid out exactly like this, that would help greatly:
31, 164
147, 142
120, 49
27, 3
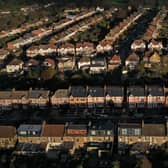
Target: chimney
142, 123
43, 125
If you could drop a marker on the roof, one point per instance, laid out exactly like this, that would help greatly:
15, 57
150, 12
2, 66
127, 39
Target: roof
154, 130
53, 130
115, 58
102, 126
77, 126
19, 94
78, 91
29, 127
133, 57
155, 90
129, 125
61, 93
115, 90
96, 91
136, 90
38, 93
7, 131
5, 94
15, 62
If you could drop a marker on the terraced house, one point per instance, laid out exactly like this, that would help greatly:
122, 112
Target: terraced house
136, 97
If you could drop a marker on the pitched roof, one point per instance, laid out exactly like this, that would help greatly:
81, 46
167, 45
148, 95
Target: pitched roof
136, 91
129, 125
133, 57
7, 131
154, 130
115, 91
155, 90
53, 130
15, 62
96, 91
61, 93
38, 93
78, 91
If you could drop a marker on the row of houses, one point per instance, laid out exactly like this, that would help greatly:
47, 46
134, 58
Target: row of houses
128, 134
90, 96
38, 34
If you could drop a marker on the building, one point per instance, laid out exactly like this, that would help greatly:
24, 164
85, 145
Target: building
60, 97
98, 65
8, 137
53, 134
128, 134
96, 96
114, 62
132, 61
76, 133
155, 45
78, 96
114, 96
3, 54
155, 59
84, 63
155, 96
136, 97
101, 132
15, 65
39, 98
138, 45
29, 133
5, 102
66, 65
104, 46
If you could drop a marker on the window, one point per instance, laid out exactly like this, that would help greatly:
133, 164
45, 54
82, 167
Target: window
108, 132
93, 132
124, 131
137, 131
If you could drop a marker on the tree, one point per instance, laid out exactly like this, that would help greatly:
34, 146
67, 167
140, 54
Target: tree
116, 164
48, 74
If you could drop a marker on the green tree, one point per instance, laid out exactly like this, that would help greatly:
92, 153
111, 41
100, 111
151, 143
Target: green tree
48, 74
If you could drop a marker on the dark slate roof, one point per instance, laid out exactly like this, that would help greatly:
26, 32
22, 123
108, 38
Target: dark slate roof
154, 130
38, 93
136, 91
155, 90
129, 125
78, 91
96, 91
115, 91
77, 126
107, 125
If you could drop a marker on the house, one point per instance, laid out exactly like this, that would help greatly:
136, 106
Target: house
66, 65
76, 133
66, 49
78, 95
7, 136
29, 133
138, 45
155, 96
52, 134
155, 58
96, 96
50, 63
104, 46
128, 134
101, 132
42, 50
136, 97
114, 62
132, 61
3, 54
15, 65
154, 134
5, 100
114, 96
98, 65
39, 98
79, 48
84, 63
155, 45
88, 49
19, 99
60, 97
